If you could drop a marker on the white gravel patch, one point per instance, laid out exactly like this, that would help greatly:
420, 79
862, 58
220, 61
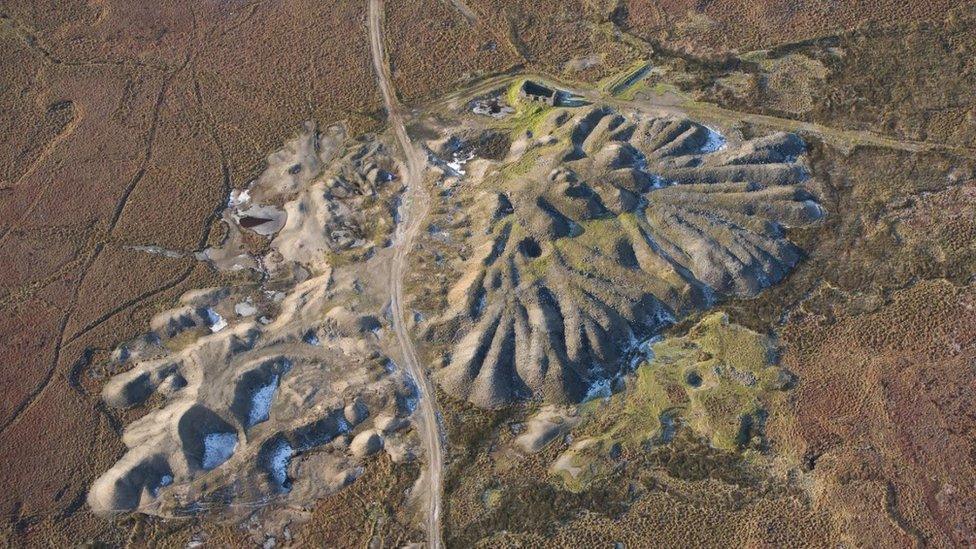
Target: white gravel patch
217, 448
245, 308
278, 462
261, 403
216, 322
714, 142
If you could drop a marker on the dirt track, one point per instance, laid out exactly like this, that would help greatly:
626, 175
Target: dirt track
414, 209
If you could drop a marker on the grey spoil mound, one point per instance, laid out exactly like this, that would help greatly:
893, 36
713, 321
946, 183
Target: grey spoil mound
601, 229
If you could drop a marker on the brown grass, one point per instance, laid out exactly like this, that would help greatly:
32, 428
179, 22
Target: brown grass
883, 415
127, 124
433, 48
713, 27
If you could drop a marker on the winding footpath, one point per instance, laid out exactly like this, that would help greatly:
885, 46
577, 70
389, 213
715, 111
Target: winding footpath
414, 209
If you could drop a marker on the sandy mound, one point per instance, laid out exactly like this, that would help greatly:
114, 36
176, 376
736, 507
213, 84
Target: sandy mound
321, 195
270, 389
244, 402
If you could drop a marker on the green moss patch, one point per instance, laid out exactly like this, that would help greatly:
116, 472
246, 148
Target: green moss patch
718, 381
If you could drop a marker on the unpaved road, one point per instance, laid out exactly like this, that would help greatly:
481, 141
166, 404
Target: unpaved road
414, 209
677, 104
